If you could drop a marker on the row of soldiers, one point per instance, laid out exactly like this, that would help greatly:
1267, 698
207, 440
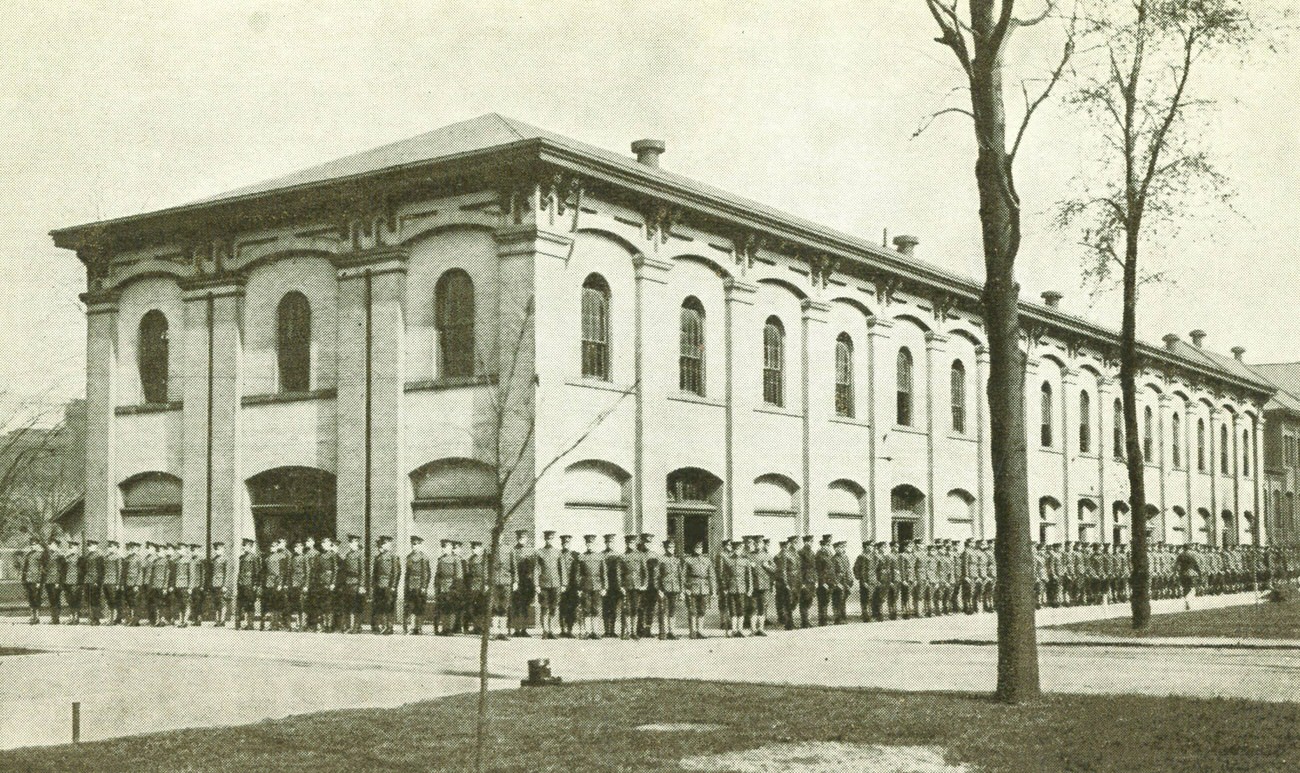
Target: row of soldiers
597, 592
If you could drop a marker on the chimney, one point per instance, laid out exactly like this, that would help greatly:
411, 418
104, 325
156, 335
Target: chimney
906, 244
648, 151
1171, 341
1053, 299
1198, 336
1238, 351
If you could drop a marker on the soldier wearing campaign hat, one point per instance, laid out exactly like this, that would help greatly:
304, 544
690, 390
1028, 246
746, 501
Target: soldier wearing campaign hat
649, 597
591, 582
787, 582
449, 574
385, 572
569, 599
698, 584
475, 588
552, 576
30, 575
736, 579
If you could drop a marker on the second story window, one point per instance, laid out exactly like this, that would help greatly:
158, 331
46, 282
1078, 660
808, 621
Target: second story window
153, 357
1200, 445
454, 301
1045, 429
903, 407
844, 375
1085, 422
1245, 452
773, 362
1117, 431
595, 328
1148, 435
1225, 454
958, 394
691, 359
1176, 446
293, 339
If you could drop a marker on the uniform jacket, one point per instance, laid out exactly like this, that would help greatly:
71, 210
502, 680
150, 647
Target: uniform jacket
505, 574
906, 568
352, 569
250, 570
737, 574
651, 562
419, 572
449, 573
889, 569
524, 560
113, 564
764, 570
72, 568
1040, 566
843, 570
157, 571
327, 568
591, 572
476, 571
133, 574
633, 572
277, 569
181, 578
807, 567
55, 568
825, 567
218, 571
612, 570
669, 574
550, 569
299, 570
697, 572
31, 568
385, 571
787, 568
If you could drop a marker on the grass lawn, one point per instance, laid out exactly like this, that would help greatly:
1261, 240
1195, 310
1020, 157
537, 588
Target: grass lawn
590, 726
1266, 620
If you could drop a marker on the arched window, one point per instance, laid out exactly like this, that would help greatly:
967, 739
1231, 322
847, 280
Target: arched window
1045, 421
904, 381
1225, 456
293, 336
1200, 445
844, 375
595, 327
690, 377
1148, 435
153, 356
773, 362
1245, 452
454, 299
1117, 431
958, 377
1085, 422
1176, 447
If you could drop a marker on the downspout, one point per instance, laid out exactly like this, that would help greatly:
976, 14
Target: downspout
369, 420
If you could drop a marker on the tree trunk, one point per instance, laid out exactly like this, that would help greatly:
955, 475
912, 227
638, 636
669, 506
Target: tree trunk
1000, 221
1139, 574
485, 633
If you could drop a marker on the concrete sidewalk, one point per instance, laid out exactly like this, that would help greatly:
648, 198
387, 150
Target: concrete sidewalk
138, 680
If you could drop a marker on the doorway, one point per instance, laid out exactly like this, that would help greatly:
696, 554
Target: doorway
687, 529
292, 503
904, 530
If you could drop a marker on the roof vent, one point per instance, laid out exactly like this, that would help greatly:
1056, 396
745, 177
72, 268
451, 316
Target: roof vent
1053, 299
1198, 337
1171, 341
1238, 351
648, 151
906, 244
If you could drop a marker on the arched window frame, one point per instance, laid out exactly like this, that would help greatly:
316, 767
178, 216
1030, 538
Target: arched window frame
595, 328
773, 362
1176, 444
1225, 454
957, 390
1085, 422
1117, 431
1148, 435
454, 317
1200, 445
844, 403
903, 414
690, 364
153, 356
1045, 434
1245, 451
293, 342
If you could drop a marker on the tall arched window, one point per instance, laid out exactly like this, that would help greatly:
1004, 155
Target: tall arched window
153, 356
1176, 447
293, 338
1225, 455
454, 301
1045, 420
903, 409
844, 375
773, 362
1200, 445
958, 390
690, 377
1085, 422
1245, 452
1148, 435
1117, 431
595, 327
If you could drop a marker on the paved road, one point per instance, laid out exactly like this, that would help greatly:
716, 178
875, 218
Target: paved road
135, 680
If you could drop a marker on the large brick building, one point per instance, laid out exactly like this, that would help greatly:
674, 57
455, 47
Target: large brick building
326, 352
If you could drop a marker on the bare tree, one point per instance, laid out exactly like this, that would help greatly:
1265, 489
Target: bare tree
39, 472
1141, 101
508, 433
978, 33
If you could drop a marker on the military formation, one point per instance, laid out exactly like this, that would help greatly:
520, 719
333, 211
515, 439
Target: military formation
597, 592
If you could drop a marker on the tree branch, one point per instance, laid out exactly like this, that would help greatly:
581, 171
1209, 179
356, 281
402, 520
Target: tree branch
925, 123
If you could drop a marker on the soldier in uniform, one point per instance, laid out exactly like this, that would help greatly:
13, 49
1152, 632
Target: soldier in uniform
633, 582
134, 586
824, 561
72, 569
327, 575
350, 600
787, 582
419, 573
843, 573
524, 559
736, 580
504, 584
569, 599
1040, 576
475, 588
590, 585
311, 593
275, 586
386, 572
724, 599
216, 576
296, 587
611, 604
248, 583
697, 580
807, 579
30, 575
155, 569
649, 598
112, 587
551, 574
449, 586
54, 564
877, 577
764, 577
669, 578
180, 590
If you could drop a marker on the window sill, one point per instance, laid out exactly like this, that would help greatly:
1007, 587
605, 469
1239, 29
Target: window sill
688, 397
961, 436
288, 397
777, 410
607, 386
1086, 455
1049, 450
850, 420
131, 410
909, 430
449, 382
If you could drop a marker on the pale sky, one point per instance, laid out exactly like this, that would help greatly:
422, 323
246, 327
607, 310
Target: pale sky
115, 108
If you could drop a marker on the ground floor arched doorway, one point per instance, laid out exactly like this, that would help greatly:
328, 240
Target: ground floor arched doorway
907, 504
292, 503
694, 498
